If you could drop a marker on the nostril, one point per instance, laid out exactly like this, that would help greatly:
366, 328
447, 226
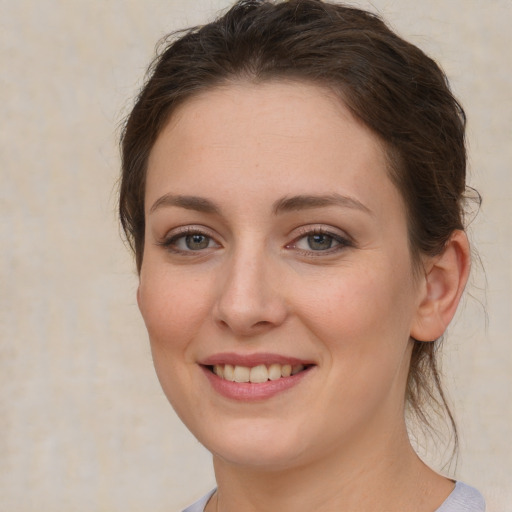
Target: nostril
262, 323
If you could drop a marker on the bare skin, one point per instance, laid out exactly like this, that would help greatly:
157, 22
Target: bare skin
274, 231
379, 486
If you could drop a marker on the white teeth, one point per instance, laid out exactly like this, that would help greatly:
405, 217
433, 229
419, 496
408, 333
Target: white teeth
229, 372
256, 374
242, 374
286, 370
259, 374
218, 370
274, 372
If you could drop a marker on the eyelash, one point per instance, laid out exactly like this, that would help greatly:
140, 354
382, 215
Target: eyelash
306, 232
170, 242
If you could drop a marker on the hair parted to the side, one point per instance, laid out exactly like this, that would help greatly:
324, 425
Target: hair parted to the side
389, 84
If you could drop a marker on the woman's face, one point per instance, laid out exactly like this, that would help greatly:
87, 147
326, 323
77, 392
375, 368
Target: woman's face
276, 243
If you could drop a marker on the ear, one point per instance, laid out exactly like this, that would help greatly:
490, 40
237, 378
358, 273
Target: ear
443, 283
139, 299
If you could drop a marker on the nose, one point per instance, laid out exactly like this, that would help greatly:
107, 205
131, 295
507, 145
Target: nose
250, 298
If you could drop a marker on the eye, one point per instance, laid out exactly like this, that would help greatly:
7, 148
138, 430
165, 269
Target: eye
188, 241
318, 240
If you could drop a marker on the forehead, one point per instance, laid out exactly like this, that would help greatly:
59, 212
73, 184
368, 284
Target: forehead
273, 108
256, 136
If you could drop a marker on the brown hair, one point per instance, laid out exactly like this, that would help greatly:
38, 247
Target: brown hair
389, 84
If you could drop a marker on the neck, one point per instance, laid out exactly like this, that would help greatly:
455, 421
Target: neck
382, 477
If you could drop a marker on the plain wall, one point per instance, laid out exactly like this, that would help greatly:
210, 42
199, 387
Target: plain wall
84, 425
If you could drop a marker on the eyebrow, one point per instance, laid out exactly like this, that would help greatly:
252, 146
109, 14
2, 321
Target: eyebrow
199, 204
283, 205
302, 202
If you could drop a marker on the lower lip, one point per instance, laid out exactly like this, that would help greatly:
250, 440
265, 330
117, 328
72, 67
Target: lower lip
251, 392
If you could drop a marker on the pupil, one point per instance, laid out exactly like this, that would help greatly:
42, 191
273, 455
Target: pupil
195, 242
319, 242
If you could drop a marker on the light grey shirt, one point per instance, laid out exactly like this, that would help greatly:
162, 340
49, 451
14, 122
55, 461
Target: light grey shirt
462, 499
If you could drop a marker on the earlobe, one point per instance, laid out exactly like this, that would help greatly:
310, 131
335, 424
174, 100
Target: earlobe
445, 278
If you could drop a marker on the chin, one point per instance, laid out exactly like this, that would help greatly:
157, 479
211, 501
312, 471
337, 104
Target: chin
259, 444
261, 456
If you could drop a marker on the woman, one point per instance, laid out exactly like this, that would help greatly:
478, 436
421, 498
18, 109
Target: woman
293, 186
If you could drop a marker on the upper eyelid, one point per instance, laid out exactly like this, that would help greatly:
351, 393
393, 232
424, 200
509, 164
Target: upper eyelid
189, 229
322, 229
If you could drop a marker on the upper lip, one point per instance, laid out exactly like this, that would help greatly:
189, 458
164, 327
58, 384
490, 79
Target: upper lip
251, 360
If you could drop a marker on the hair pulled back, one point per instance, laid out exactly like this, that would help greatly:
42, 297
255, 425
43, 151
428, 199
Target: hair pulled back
389, 84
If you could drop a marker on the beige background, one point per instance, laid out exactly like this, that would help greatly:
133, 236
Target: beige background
84, 425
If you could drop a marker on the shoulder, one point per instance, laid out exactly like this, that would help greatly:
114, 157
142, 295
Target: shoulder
199, 505
463, 498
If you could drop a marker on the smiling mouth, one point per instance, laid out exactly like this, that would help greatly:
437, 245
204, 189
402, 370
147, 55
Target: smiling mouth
256, 374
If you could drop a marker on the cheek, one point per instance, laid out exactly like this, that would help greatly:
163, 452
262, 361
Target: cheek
362, 318
173, 307
356, 300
